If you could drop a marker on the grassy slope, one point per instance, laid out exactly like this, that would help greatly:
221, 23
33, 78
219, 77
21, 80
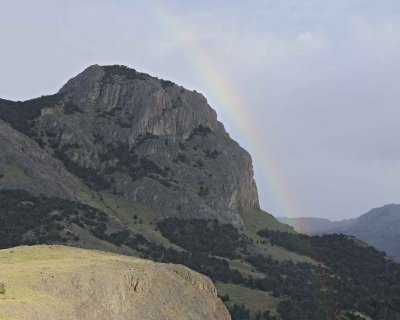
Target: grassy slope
245, 268
258, 220
45, 281
125, 210
21, 267
255, 300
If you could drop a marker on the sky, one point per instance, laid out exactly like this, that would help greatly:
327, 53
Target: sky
309, 87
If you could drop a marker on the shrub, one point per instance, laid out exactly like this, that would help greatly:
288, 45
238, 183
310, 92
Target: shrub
200, 131
166, 83
71, 108
123, 71
204, 191
20, 114
2, 288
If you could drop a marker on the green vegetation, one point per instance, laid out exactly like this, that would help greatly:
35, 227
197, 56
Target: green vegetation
71, 108
204, 191
212, 154
254, 300
123, 71
2, 288
239, 312
203, 236
348, 282
27, 220
258, 219
200, 131
369, 283
166, 83
130, 214
90, 176
245, 268
128, 161
357, 278
20, 114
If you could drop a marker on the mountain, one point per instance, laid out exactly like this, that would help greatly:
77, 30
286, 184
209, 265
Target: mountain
380, 227
67, 283
310, 225
123, 162
146, 139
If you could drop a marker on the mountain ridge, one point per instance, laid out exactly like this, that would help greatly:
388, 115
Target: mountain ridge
379, 227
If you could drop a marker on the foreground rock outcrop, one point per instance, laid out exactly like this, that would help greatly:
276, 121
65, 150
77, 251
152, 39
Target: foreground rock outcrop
59, 283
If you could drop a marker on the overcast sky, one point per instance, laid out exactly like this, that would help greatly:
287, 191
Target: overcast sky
318, 80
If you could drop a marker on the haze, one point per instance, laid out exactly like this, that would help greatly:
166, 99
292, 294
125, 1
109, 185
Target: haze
319, 80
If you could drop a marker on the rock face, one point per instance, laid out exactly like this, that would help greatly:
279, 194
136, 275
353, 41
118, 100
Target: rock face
151, 141
61, 283
24, 165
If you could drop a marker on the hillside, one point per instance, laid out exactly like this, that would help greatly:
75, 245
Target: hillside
380, 227
59, 283
284, 272
24, 165
127, 163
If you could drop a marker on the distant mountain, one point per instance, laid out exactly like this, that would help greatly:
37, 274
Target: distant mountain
311, 226
380, 227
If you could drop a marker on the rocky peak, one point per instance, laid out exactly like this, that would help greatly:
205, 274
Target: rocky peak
84, 84
148, 139
163, 107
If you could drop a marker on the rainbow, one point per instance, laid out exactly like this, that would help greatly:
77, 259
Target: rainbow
233, 108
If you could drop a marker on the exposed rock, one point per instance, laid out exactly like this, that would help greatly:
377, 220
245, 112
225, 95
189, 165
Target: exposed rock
61, 283
151, 141
24, 165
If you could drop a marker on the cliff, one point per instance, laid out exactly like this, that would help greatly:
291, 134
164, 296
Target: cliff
147, 139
